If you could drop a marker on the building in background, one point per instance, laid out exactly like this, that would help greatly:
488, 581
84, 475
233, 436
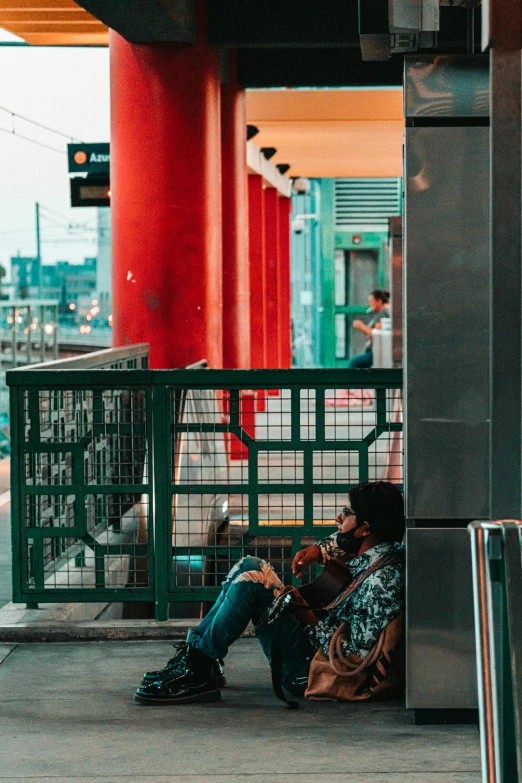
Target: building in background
104, 270
24, 277
66, 282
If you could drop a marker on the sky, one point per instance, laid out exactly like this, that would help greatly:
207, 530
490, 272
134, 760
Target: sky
66, 89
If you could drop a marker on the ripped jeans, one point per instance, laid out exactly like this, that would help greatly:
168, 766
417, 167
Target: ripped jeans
247, 594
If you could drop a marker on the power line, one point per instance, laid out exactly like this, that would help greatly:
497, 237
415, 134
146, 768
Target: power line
83, 241
53, 211
54, 222
33, 141
40, 125
17, 231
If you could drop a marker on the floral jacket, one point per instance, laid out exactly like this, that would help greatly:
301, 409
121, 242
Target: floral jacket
375, 603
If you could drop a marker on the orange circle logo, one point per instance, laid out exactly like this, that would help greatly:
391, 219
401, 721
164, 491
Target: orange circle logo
80, 158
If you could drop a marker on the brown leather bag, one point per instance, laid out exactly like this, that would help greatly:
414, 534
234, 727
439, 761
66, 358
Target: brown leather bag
337, 678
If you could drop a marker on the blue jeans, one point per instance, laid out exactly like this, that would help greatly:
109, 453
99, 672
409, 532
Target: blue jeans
362, 361
246, 594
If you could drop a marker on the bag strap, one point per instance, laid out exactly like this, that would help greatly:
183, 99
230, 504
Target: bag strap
335, 653
352, 670
382, 562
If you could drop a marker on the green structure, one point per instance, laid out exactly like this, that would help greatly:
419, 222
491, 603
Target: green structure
130, 484
339, 256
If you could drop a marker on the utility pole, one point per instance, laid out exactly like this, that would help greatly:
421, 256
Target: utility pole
38, 251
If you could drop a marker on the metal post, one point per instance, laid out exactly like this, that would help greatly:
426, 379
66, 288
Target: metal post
13, 337
55, 333
42, 334
497, 584
506, 264
486, 671
29, 337
162, 506
38, 250
513, 583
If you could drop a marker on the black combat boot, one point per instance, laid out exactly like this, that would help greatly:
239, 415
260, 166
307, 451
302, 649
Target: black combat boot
197, 684
176, 667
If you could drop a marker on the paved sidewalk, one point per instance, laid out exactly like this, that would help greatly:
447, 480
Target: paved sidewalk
66, 713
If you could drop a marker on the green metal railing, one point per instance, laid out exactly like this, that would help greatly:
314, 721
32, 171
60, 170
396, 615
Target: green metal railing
131, 484
497, 591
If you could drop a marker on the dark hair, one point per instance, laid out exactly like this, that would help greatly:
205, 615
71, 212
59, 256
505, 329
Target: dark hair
381, 296
380, 504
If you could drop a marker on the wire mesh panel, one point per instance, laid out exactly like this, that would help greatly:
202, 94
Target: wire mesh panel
217, 464
82, 485
260, 469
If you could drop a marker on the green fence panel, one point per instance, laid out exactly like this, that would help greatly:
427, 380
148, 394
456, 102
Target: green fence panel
139, 485
82, 480
260, 462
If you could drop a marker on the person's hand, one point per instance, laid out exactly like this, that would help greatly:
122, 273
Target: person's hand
304, 558
357, 324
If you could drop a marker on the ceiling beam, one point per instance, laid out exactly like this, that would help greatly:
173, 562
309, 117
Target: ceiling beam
40, 5
315, 68
67, 39
292, 23
147, 21
60, 15
24, 29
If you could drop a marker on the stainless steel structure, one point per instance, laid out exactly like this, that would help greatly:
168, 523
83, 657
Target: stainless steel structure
497, 585
447, 361
441, 647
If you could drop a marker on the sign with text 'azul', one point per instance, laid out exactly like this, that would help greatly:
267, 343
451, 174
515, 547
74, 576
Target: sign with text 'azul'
89, 158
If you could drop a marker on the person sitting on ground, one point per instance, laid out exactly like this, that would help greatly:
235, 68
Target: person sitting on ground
369, 528
378, 304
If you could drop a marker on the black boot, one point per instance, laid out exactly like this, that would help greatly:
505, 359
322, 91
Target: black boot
197, 684
177, 665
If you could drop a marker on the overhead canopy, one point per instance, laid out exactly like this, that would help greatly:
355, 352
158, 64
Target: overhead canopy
52, 23
331, 133
353, 132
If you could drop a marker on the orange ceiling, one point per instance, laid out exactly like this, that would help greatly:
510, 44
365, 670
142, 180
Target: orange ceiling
331, 133
52, 23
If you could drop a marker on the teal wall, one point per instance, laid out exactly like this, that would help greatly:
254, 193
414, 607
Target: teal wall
313, 277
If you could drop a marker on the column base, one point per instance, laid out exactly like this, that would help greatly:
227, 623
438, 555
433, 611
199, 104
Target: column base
438, 717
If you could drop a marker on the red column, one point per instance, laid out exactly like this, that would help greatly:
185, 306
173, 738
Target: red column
166, 200
256, 244
272, 277
236, 291
285, 320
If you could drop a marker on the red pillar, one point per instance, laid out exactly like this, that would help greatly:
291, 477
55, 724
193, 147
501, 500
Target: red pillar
272, 277
236, 291
256, 243
166, 200
285, 293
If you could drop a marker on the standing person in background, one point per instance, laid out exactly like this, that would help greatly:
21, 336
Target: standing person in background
379, 305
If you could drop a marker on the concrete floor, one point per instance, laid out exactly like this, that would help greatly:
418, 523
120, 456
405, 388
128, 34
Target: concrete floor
66, 712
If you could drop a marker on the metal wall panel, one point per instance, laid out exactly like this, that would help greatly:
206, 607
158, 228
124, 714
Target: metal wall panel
440, 666
446, 86
447, 296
